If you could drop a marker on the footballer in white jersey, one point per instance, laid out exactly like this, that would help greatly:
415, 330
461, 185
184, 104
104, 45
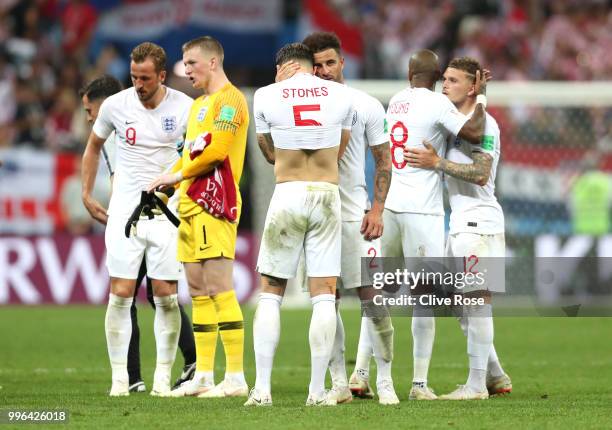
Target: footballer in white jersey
474, 208
148, 120
302, 124
146, 141
476, 228
414, 115
362, 226
414, 212
302, 112
414, 221
477, 220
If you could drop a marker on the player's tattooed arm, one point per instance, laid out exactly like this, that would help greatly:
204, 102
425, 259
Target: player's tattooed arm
382, 178
426, 158
476, 173
372, 223
266, 144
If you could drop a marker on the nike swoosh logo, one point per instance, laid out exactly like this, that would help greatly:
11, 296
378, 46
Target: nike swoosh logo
129, 122
204, 248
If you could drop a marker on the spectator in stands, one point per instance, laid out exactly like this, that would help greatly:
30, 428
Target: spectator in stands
78, 24
7, 98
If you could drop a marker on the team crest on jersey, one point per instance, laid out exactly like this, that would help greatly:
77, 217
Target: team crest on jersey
168, 123
202, 113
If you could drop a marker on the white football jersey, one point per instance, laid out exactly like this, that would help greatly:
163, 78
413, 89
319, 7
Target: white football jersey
146, 141
368, 129
110, 148
303, 112
475, 209
416, 114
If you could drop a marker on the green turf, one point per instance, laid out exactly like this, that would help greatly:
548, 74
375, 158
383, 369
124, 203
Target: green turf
561, 368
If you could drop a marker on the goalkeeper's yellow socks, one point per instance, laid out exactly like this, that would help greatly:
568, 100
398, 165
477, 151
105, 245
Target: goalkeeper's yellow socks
205, 326
231, 329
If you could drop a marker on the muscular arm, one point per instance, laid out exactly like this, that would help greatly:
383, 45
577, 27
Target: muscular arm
264, 140
382, 176
91, 159
476, 173
372, 223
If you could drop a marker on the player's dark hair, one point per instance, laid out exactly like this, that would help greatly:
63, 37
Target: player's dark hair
296, 52
101, 88
322, 41
207, 44
150, 50
468, 65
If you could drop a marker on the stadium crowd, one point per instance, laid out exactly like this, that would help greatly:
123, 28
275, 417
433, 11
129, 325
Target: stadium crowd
44, 51
541, 40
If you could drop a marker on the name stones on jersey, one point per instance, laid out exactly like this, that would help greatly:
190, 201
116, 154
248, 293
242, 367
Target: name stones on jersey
168, 123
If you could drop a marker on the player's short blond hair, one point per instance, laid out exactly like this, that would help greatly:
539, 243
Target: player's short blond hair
468, 65
206, 44
150, 50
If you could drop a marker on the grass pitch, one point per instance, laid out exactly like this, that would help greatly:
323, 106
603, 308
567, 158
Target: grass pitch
561, 369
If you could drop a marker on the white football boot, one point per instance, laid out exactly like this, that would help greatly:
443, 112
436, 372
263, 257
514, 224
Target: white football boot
323, 399
258, 398
192, 387
421, 393
386, 393
226, 388
341, 394
463, 392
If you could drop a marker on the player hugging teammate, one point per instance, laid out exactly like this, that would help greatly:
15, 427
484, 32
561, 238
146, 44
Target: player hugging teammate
315, 130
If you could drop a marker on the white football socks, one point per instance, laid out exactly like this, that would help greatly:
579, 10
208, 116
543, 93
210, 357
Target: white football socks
479, 343
423, 334
166, 327
364, 351
337, 365
118, 327
494, 367
266, 334
380, 334
321, 338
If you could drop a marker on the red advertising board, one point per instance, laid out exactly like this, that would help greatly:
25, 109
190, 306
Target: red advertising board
62, 269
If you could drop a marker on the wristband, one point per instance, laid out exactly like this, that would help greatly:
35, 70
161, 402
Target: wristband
482, 99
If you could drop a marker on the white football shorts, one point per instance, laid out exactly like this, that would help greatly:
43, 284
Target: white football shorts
302, 216
412, 235
482, 255
154, 238
354, 248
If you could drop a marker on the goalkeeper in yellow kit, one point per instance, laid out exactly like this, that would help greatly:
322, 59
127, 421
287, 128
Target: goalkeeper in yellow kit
209, 208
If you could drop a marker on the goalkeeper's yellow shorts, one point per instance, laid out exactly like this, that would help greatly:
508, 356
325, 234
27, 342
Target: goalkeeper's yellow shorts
204, 236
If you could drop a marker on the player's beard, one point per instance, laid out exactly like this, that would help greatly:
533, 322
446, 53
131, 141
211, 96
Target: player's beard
145, 97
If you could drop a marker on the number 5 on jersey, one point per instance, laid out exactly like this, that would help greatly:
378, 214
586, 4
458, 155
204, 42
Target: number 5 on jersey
297, 114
